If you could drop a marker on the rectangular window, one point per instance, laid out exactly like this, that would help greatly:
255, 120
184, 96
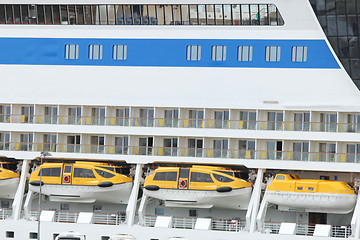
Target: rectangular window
83, 173
245, 53
272, 54
201, 177
119, 52
218, 53
95, 52
50, 172
193, 53
71, 51
165, 176
299, 54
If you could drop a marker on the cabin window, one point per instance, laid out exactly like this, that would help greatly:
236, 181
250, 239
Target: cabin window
50, 172
159, 211
119, 52
201, 177
245, 53
95, 52
165, 176
193, 53
221, 178
83, 173
104, 174
218, 53
10, 234
280, 177
71, 51
299, 188
299, 54
64, 207
193, 213
272, 53
310, 188
33, 235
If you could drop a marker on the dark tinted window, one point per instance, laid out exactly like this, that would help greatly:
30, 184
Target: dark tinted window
50, 172
83, 173
104, 174
184, 172
69, 238
200, 177
67, 169
166, 176
221, 178
108, 168
227, 172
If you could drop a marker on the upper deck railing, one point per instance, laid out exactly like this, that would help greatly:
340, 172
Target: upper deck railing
183, 152
142, 14
183, 123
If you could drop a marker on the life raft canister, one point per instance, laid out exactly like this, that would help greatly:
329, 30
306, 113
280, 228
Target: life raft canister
182, 183
66, 179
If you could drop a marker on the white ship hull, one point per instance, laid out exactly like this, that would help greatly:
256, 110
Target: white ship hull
313, 202
236, 199
8, 188
118, 193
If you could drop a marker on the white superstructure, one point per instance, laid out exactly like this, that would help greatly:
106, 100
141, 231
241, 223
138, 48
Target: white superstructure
252, 85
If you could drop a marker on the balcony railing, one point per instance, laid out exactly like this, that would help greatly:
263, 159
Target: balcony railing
182, 123
99, 218
233, 225
185, 152
308, 229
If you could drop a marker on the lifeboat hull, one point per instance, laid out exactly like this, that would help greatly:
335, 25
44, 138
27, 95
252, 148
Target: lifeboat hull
234, 199
313, 202
8, 188
117, 193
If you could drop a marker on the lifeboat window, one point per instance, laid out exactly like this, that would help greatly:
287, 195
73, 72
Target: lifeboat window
67, 169
299, 188
227, 173
108, 168
221, 178
166, 176
0, 170
104, 174
50, 172
280, 177
310, 188
200, 177
83, 173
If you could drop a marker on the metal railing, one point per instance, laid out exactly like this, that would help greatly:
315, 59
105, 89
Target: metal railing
184, 152
183, 123
308, 229
98, 218
234, 225
5, 213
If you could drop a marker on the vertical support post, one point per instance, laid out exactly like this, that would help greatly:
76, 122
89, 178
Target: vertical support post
131, 207
355, 221
256, 199
27, 204
19, 195
142, 209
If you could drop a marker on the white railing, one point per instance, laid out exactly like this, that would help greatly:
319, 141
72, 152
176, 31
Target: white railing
99, 218
189, 223
5, 213
308, 229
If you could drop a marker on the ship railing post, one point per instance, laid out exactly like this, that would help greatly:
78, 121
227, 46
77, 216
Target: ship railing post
256, 199
131, 207
142, 209
355, 221
18, 200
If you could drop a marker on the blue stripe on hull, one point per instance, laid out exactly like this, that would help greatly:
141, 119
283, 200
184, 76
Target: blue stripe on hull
161, 52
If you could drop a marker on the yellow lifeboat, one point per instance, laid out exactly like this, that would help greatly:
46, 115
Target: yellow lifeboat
85, 182
199, 186
310, 195
9, 180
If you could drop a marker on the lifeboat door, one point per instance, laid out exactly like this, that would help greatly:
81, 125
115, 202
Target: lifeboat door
184, 178
67, 174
